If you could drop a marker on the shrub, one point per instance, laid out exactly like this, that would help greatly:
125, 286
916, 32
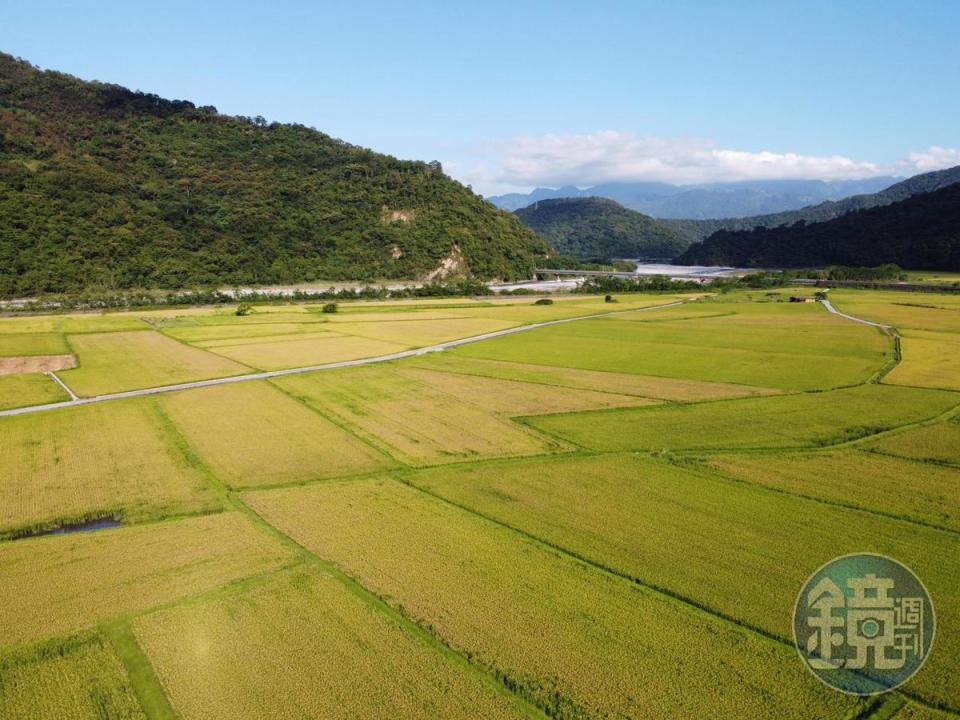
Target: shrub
544, 301
244, 309
330, 308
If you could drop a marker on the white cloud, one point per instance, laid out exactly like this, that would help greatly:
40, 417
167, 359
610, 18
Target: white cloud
610, 155
934, 158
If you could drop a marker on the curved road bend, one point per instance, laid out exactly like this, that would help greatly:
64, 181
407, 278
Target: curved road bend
313, 368
830, 308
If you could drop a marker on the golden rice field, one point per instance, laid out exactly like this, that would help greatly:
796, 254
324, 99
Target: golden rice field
304, 635
76, 680
251, 433
94, 461
415, 421
921, 492
117, 361
818, 419
15, 344
606, 518
646, 518
62, 584
930, 359
567, 635
939, 442
26, 389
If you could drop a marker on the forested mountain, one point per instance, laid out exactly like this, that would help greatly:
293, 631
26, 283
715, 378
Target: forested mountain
919, 233
710, 200
696, 230
600, 229
101, 187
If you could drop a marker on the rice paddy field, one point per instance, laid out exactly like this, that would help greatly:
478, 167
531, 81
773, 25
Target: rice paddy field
609, 515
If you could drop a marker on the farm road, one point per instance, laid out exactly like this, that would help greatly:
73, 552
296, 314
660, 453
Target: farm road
313, 368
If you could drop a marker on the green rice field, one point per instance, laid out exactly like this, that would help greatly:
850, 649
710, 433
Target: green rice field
609, 516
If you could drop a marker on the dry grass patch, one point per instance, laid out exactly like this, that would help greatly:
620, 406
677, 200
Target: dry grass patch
250, 433
77, 680
579, 642
91, 461
609, 382
77, 581
415, 421
28, 389
303, 645
117, 361
327, 348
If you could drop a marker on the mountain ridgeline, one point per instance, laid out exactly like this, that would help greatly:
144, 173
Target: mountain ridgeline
599, 229
696, 230
921, 232
105, 188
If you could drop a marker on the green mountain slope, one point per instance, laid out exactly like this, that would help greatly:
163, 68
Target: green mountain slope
921, 233
599, 229
696, 230
101, 187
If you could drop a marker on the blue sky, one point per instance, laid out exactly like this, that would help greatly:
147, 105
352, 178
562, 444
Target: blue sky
515, 94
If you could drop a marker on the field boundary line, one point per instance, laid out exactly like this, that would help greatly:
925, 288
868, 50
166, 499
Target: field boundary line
143, 679
486, 675
62, 384
322, 366
675, 597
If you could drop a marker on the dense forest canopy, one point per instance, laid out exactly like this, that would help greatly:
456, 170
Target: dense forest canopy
599, 229
102, 187
696, 230
920, 233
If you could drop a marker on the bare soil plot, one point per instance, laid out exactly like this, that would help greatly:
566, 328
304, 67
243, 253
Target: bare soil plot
77, 581
303, 645
36, 364
102, 460
577, 641
253, 434
116, 361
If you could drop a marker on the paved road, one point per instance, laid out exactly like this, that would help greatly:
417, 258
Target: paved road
829, 306
313, 368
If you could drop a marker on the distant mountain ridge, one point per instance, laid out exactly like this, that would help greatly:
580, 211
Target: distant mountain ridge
706, 201
696, 230
921, 232
103, 188
599, 229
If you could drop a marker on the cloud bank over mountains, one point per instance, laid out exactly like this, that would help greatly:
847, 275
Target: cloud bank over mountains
588, 159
